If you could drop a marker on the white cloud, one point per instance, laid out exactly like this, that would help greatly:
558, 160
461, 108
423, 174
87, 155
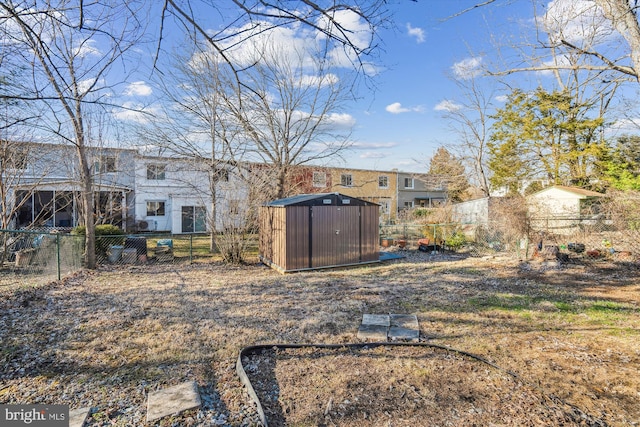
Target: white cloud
85, 85
447, 105
577, 21
260, 41
374, 155
354, 28
88, 47
135, 112
397, 108
344, 120
628, 125
502, 98
373, 145
467, 68
139, 88
317, 81
418, 33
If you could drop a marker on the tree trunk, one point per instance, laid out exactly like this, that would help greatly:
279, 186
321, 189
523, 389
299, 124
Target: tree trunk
86, 184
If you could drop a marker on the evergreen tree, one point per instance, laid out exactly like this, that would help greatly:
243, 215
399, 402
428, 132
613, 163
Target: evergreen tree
451, 171
620, 163
543, 135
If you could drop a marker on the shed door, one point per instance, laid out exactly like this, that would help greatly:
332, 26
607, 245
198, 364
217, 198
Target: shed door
335, 238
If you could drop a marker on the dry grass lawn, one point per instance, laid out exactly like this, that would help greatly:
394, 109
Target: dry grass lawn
104, 339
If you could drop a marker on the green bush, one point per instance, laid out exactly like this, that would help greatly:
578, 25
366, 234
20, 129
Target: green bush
420, 213
456, 241
107, 235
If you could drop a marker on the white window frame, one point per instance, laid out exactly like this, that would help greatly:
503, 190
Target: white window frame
386, 179
159, 172
346, 177
106, 164
410, 187
164, 207
408, 205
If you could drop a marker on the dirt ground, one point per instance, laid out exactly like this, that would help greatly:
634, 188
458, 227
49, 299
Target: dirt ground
533, 343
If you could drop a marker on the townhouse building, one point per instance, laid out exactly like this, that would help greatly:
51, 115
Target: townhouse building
44, 189
420, 190
142, 191
177, 195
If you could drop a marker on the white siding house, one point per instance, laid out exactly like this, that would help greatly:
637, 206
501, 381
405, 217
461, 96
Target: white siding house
174, 195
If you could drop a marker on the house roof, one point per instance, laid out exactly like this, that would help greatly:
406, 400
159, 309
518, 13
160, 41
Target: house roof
320, 199
573, 190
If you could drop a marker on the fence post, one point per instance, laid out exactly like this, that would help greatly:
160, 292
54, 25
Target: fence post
190, 248
58, 255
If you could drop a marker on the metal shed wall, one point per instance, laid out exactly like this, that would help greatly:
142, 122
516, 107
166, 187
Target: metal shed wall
305, 237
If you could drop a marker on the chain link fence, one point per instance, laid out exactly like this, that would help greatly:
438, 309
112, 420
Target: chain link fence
36, 257
560, 238
30, 258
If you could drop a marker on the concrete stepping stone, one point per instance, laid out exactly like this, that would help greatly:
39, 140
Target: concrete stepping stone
376, 319
404, 327
77, 417
403, 334
376, 333
172, 400
409, 321
384, 327
374, 327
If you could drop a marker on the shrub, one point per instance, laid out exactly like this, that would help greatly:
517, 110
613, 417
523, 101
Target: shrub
107, 235
456, 241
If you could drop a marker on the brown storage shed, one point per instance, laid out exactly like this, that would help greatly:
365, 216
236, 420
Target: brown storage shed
311, 231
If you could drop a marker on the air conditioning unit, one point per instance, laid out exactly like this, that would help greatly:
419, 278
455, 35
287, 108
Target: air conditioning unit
143, 225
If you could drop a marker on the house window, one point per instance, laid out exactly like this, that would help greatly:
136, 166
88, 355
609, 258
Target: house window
383, 181
156, 172
194, 219
408, 183
384, 207
155, 208
105, 164
408, 205
346, 180
319, 179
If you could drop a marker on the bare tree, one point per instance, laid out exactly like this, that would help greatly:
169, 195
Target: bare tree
69, 72
350, 27
292, 114
470, 119
191, 123
605, 31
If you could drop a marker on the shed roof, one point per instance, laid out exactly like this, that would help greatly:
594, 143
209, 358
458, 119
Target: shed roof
320, 199
573, 190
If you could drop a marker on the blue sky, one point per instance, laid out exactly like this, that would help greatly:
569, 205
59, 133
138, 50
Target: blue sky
399, 123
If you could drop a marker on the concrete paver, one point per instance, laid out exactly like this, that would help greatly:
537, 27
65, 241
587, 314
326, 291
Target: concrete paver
384, 327
376, 319
77, 417
172, 400
403, 334
376, 333
409, 321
